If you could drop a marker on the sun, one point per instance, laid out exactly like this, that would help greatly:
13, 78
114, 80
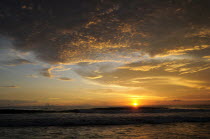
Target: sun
135, 104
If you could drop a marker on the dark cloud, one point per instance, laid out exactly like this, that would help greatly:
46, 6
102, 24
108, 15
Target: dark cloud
101, 30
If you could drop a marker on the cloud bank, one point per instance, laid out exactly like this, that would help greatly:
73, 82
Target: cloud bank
94, 31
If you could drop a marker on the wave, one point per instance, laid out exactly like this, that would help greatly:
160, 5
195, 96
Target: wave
109, 110
79, 119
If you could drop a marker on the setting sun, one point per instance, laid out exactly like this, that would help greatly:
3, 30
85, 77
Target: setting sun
135, 104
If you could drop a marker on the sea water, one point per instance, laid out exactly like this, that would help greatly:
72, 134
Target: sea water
173, 123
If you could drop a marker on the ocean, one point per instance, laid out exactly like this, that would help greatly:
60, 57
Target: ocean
174, 122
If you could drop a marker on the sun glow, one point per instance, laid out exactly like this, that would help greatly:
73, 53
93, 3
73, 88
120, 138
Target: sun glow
135, 104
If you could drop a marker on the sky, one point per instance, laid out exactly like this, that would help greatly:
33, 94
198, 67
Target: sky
104, 52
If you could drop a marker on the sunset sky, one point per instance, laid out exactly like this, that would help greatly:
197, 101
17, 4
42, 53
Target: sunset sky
104, 52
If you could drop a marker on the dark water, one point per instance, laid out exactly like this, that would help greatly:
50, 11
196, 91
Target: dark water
164, 123
141, 131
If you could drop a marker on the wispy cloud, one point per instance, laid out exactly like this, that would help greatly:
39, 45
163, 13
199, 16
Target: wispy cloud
65, 79
47, 72
16, 62
9, 86
94, 77
32, 76
54, 98
183, 50
180, 66
207, 57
